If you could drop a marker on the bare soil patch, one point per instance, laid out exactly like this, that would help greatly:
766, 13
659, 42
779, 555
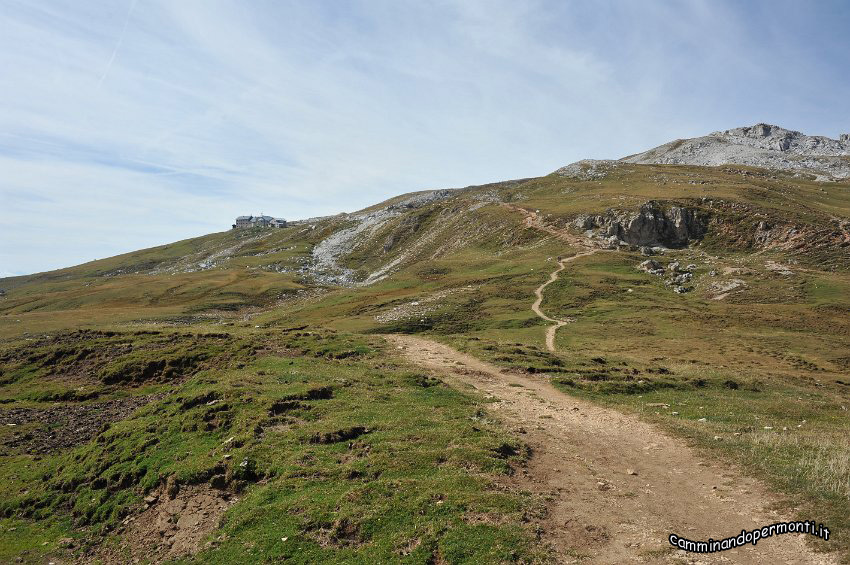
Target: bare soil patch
45, 430
168, 528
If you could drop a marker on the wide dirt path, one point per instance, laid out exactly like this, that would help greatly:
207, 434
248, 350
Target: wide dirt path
619, 486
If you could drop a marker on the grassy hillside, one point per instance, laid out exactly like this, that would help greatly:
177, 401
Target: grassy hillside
318, 446
262, 347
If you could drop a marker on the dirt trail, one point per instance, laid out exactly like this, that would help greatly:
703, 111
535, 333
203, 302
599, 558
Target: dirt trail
538, 292
619, 485
535, 221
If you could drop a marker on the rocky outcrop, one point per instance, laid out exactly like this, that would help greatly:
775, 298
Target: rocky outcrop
761, 145
652, 225
420, 199
588, 169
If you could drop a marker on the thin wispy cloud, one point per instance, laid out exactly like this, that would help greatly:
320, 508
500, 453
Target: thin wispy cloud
129, 124
118, 45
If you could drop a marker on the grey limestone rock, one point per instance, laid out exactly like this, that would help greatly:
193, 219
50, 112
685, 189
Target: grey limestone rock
651, 225
682, 278
651, 266
761, 145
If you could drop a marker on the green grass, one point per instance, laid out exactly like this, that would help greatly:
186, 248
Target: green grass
772, 353
426, 468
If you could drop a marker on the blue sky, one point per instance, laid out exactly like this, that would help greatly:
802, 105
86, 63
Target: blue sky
131, 123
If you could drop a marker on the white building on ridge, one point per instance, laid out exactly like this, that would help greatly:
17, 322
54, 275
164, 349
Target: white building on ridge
260, 221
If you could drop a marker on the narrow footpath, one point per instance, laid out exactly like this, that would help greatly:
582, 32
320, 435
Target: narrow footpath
538, 292
535, 221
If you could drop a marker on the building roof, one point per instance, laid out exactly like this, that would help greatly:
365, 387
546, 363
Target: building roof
256, 219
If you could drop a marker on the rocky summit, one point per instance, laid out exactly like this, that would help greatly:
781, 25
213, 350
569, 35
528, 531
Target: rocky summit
761, 145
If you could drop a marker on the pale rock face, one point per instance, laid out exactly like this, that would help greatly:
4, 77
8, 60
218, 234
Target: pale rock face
650, 225
327, 252
761, 145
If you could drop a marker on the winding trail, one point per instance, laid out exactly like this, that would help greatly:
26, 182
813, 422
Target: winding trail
533, 220
538, 292
615, 486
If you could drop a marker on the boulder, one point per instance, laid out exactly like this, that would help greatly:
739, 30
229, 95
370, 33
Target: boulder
651, 266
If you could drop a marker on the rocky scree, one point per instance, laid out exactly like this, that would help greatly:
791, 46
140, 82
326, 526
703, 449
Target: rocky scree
326, 255
677, 275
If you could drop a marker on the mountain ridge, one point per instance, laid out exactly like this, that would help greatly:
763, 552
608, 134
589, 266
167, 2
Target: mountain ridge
760, 145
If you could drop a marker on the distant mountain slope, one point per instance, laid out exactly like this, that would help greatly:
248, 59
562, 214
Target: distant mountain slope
761, 145
420, 237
